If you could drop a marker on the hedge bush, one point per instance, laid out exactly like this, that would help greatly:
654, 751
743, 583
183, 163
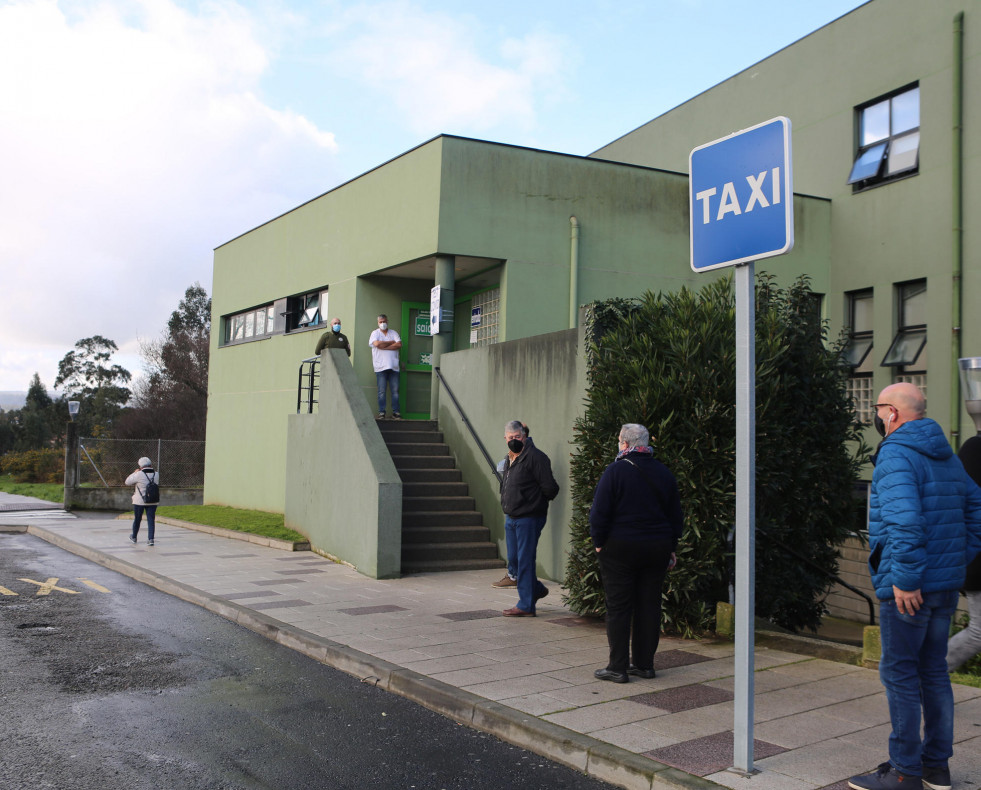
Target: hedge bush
35, 466
667, 361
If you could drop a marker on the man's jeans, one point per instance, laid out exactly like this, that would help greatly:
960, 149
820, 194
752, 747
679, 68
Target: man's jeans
913, 670
391, 378
521, 535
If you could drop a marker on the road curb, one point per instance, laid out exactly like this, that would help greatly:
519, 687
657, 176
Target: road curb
589, 756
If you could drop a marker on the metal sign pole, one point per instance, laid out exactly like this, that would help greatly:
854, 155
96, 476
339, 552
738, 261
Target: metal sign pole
742, 746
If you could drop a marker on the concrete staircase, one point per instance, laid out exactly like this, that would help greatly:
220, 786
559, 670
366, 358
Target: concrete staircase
441, 528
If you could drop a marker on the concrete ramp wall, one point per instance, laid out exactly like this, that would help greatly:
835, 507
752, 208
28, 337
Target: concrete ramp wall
342, 489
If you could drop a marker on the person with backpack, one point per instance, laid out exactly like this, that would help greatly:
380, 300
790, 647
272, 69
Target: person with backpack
146, 496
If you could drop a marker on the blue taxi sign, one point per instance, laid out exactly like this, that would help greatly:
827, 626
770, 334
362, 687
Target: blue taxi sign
741, 197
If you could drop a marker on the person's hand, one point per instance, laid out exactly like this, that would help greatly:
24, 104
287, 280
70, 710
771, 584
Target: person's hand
907, 602
673, 561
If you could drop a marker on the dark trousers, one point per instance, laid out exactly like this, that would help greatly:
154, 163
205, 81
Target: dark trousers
633, 574
151, 513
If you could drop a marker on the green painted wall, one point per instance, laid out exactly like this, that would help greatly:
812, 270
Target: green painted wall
328, 450
879, 237
455, 197
538, 380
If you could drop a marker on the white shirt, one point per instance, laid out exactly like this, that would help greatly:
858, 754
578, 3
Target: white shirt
384, 358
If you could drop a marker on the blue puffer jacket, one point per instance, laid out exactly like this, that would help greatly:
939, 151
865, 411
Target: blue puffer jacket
925, 513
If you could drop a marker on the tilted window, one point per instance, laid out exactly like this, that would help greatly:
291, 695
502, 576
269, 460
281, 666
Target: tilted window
888, 139
858, 352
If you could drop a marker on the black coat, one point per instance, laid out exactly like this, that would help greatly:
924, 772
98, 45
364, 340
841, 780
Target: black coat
528, 484
636, 499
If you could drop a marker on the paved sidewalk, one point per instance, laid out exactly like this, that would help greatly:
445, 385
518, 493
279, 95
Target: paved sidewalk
440, 639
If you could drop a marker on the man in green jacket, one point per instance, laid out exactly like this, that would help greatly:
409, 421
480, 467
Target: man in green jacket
333, 338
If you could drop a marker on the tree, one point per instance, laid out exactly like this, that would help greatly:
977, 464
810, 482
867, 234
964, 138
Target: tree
35, 424
86, 375
172, 399
667, 361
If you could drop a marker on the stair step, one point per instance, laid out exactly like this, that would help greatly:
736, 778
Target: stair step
442, 518
417, 490
415, 503
444, 566
412, 437
448, 551
431, 475
455, 533
424, 462
407, 426
417, 448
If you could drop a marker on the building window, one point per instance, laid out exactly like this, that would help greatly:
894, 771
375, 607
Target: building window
907, 353
253, 324
484, 310
888, 139
306, 311
858, 352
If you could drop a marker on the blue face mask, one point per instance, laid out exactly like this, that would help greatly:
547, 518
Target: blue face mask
336, 327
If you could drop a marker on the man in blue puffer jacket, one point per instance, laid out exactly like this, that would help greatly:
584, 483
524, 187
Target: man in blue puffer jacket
924, 527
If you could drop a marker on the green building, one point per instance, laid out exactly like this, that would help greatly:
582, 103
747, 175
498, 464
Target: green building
885, 170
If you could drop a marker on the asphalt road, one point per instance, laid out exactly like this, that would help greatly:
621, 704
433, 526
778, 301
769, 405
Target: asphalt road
107, 684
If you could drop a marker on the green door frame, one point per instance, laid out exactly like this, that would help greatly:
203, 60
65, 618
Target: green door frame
406, 367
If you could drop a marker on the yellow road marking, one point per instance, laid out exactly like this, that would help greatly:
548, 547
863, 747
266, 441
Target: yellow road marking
93, 585
51, 584
5, 591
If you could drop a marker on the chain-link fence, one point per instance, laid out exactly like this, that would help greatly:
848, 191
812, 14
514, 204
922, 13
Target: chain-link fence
108, 462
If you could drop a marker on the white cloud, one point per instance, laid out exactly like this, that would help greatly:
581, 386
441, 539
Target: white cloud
433, 70
133, 140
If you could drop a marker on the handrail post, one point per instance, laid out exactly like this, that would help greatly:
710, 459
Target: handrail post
466, 422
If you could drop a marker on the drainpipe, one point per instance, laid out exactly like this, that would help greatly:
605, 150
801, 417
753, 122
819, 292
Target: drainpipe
957, 212
574, 273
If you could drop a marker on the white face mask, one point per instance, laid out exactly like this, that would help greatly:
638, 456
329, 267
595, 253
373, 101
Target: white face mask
383, 326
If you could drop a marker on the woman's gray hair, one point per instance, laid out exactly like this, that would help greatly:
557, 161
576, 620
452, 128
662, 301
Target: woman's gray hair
514, 425
634, 435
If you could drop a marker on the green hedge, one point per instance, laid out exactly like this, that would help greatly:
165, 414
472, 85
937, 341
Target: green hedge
667, 361
35, 466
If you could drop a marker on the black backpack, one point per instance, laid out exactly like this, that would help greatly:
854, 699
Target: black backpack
152, 494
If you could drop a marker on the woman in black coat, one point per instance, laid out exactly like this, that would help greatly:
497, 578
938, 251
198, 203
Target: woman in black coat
635, 523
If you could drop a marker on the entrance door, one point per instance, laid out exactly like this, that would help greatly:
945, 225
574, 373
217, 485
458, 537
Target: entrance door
415, 378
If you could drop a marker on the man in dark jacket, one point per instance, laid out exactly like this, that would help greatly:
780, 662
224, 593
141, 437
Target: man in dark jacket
527, 488
924, 525
635, 523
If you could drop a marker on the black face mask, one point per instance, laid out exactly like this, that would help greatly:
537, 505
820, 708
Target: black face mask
880, 426
516, 445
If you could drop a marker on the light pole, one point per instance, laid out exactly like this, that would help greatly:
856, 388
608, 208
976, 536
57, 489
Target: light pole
71, 454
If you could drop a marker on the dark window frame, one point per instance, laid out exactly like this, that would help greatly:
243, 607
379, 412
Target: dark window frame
905, 364
874, 171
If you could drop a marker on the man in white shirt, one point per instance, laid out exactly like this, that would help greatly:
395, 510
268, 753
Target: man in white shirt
385, 344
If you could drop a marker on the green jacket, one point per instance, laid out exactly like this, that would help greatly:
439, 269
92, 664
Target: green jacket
331, 339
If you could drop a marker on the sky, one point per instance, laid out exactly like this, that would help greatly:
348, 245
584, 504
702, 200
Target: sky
138, 135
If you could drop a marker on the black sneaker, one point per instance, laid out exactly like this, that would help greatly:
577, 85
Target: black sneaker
149, 543
396, 416
132, 538
381, 416
936, 777
885, 777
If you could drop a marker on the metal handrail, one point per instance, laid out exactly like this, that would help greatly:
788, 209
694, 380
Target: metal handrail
824, 572
313, 385
473, 433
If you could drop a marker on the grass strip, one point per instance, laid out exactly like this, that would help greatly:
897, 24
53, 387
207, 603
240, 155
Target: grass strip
255, 522
50, 492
